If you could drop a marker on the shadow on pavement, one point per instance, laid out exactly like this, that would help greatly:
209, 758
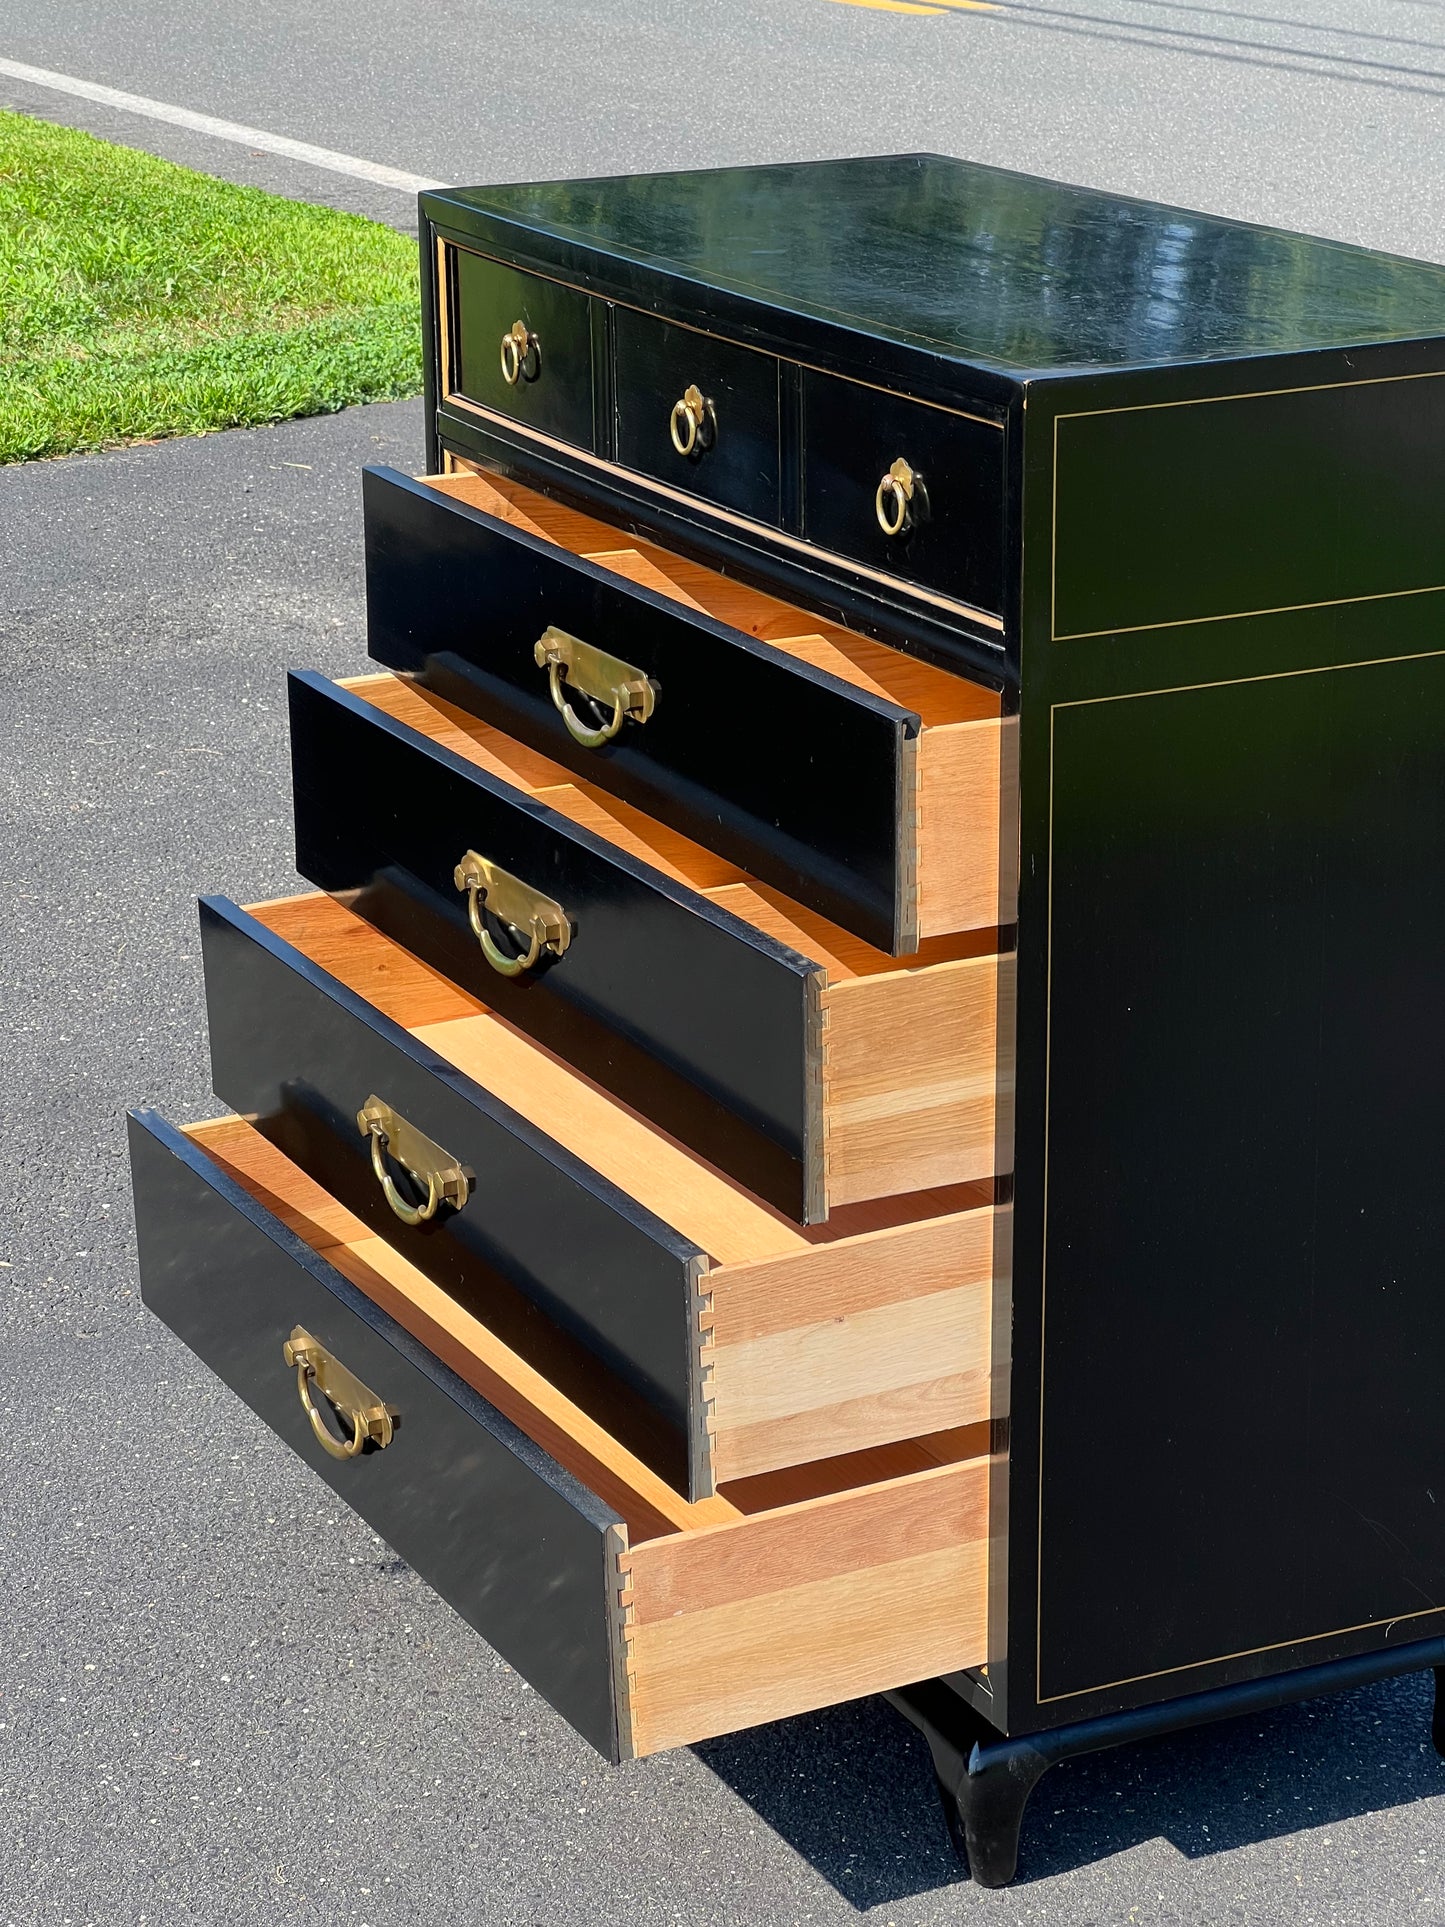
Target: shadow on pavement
851, 1789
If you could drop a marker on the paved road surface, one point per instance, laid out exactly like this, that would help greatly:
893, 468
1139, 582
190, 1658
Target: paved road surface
221, 1700
1320, 114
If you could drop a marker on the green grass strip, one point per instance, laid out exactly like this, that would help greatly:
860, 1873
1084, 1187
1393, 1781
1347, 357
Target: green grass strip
139, 299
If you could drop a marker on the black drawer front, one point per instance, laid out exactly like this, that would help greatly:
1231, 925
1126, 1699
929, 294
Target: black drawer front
784, 770
686, 1013
553, 389
953, 542
512, 1541
564, 1267
734, 461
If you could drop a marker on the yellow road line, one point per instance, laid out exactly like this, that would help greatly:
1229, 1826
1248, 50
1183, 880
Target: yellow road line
916, 6
888, 6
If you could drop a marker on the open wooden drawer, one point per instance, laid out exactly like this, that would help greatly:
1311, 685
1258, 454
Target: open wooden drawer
713, 1335
813, 1068
869, 785
646, 1621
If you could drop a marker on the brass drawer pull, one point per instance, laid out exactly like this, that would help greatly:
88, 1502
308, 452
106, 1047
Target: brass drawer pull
368, 1416
446, 1181
604, 679
691, 417
533, 919
519, 346
893, 501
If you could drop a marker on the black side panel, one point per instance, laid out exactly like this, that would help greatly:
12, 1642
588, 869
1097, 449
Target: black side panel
567, 1269
1243, 1424
687, 1014
504, 1534
782, 769
1338, 496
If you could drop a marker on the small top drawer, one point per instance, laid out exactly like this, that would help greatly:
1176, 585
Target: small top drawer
936, 521
698, 413
520, 344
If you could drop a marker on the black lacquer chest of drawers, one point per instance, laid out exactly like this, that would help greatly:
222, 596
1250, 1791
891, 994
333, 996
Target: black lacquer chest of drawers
856, 1107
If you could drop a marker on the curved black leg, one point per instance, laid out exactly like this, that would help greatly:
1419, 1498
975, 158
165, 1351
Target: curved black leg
983, 1779
1437, 1728
990, 1798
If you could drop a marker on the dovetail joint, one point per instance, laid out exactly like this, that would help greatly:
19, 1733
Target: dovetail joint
622, 1612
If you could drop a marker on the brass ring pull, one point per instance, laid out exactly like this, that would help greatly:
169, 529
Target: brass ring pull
517, 345
446, 1181
895, 494
497, 957
605, 680
408, 1213
370, 1418
534, 920
689, 417
579, 731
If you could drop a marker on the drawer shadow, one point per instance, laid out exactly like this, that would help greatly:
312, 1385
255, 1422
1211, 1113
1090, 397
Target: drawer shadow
851, 1788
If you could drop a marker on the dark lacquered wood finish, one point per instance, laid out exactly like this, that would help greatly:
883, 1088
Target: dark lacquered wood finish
514, 1543
952, 535
685, 1012
1182, 505
937, 280
1231, 940
1221, 575
553, 391
566, 1268
791, 773
735, 459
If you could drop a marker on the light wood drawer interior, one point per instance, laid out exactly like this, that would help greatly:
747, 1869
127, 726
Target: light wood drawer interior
812, 1342
963, 806
784, 1593
915, 1054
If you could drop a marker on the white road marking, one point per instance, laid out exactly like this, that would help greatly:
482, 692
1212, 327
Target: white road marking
225, 130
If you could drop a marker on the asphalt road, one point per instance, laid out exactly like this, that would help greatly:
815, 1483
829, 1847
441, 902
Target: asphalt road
221, 1699
1325, 115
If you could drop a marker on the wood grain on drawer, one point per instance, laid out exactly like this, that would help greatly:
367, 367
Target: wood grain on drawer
811, 1067
717, 1337
898, 822
647, 1622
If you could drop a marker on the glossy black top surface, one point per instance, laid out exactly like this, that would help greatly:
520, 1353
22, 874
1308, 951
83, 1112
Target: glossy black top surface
1001, 269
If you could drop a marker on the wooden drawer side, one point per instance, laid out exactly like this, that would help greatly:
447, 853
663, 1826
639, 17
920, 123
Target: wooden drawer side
811, 1342
911, 1079
788, 1594
882, 1336
807, 1605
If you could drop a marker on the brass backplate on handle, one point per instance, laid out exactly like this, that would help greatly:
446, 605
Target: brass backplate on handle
607, 680
444, 1178
538, 921
370, 1418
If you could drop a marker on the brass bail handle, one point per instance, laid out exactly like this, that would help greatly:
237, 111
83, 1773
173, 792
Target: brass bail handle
689, 417
603, 679
370, 1418
518, 344
534, 920
445, 1179
895, 495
